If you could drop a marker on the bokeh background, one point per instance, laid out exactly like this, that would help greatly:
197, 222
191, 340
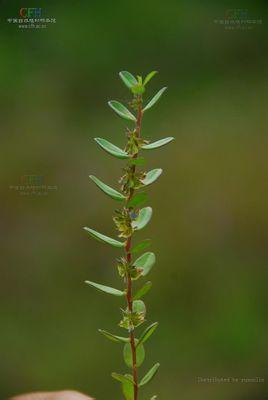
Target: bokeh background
210, 206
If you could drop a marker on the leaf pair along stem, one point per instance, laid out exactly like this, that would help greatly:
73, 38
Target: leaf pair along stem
129, 259
129, 219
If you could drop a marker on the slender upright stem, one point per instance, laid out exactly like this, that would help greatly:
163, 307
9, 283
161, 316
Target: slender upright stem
129, 281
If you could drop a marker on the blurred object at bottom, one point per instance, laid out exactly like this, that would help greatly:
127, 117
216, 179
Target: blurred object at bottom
62, 395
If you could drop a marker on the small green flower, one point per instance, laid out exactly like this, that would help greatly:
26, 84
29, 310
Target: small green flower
131, 320
123, 223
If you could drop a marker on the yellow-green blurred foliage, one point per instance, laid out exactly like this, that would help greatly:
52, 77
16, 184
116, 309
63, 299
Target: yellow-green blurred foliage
210, 221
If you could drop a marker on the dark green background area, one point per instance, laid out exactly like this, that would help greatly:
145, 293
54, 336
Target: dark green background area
210, 221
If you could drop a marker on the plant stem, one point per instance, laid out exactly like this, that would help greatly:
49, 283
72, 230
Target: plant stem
129, 259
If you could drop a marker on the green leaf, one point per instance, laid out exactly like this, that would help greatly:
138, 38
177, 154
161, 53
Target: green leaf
154, 99
141, 246
149, 77
103, 238
157, 144
114, 194
143, 218
112, 149
121, 110
128, 79
105, 289
127, 353
122, 378
147, 333
145, 262
114, 338
142, 292
137, 161
137, 200
151, 176
149, 376
128, 389
138, 306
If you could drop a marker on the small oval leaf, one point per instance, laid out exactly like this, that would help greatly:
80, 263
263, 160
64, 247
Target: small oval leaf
137, 200
152, 176
111, 149
127, 353
145, 262
154, 99
114, 194
105, 289
138, 306
147, 333
137, 161
128, 389
142, 292
149, 77
150, 374
103, 238
141, 246
114, 338
158, 143
128, 79
121, 110
122, 378
143, 218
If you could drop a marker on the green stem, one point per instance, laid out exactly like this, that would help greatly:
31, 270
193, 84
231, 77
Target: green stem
129, 259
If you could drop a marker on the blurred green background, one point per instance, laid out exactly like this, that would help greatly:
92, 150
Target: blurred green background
210, 206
